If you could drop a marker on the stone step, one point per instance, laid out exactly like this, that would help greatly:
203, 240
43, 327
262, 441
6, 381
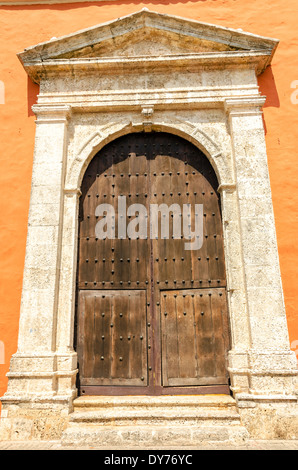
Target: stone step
142, 420
122, 416
147, 436
96, 402
156, 410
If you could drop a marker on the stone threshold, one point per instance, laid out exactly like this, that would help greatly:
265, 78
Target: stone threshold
150, 401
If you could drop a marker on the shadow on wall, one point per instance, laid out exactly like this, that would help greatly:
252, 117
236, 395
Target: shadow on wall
268, 88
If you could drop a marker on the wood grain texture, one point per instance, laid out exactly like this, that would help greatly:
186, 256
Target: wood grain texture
160, 288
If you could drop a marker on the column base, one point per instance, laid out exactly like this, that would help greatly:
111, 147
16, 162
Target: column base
37, 402
269, 417
265, 386
263, 372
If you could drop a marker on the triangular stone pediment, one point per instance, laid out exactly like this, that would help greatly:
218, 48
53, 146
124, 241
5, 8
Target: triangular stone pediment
147, 33
148, 41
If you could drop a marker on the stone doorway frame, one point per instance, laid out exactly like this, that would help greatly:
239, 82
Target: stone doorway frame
88, 98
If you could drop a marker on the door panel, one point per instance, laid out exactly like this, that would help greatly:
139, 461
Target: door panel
112, 338
194, 337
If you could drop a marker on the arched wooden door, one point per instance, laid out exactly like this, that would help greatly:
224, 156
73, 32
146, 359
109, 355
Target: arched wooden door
152, 314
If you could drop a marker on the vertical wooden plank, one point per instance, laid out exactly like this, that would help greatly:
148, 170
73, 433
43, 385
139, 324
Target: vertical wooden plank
221, 330
161, 195
98, 342
121, 338
170, 350
120, 181
81, 332
178, 190
207, 365
137, 334
188, 223
212, 211
88, 351
116, 346
186, 336
105, 312
195, 318
196, 257
135, 191
205, 257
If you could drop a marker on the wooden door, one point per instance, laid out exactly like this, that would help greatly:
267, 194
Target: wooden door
152, 315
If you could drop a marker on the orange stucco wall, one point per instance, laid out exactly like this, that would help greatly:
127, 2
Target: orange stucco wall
23, 26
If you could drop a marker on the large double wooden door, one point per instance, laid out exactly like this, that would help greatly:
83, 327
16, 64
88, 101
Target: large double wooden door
152, 313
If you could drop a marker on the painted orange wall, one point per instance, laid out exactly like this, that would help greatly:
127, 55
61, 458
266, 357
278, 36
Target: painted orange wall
23, 26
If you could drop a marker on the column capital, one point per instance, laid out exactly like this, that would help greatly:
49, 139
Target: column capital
69, 192
244, 105
228, 187
52, 114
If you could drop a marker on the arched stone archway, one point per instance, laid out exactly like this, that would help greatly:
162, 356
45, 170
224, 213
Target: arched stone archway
97, 137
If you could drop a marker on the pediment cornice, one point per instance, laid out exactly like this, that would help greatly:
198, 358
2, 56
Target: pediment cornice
145, 39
